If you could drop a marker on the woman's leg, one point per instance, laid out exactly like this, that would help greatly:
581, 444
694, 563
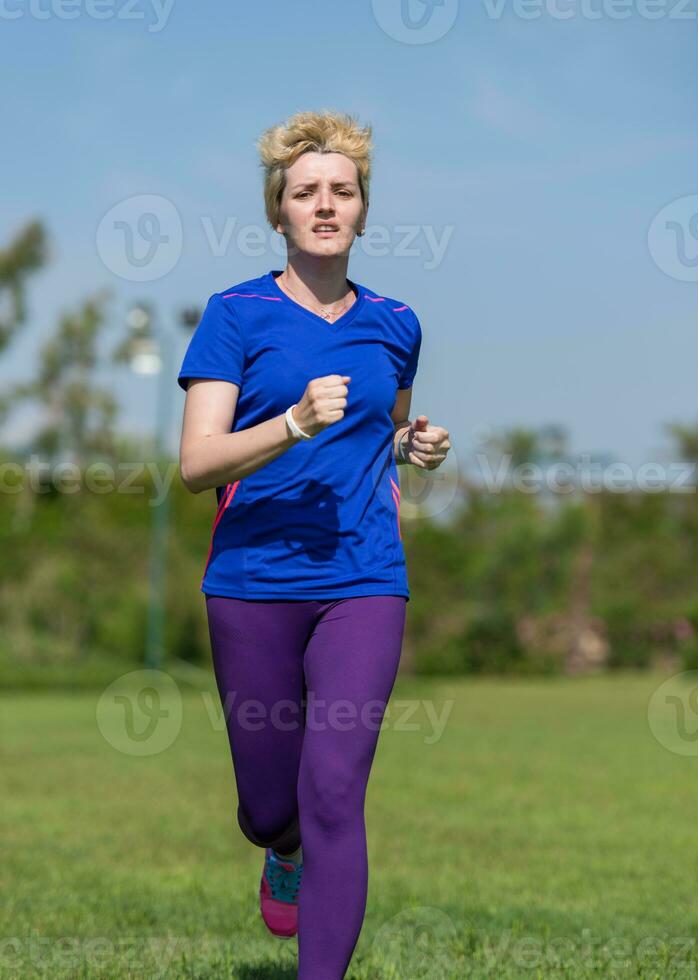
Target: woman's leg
257, 650
351, 662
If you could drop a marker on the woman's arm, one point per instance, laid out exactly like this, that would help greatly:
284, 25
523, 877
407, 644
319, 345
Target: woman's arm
210, 455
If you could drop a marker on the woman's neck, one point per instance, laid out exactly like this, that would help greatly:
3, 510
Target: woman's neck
317, 283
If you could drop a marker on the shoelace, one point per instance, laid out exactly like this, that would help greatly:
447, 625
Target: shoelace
284, 884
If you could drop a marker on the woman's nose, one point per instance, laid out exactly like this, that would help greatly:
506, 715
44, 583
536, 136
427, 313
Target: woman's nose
324, 203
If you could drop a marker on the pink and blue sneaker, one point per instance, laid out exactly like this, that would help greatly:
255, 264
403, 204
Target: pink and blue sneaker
278, 894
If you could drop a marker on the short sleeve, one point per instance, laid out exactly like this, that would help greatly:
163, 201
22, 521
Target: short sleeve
410, 369
216, 349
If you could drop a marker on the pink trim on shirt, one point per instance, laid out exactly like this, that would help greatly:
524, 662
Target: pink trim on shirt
274, 299
226, 497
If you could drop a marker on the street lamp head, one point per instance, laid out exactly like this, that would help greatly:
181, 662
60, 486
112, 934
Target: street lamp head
138, 319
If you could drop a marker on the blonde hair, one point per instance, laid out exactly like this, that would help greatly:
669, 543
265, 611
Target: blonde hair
320, 132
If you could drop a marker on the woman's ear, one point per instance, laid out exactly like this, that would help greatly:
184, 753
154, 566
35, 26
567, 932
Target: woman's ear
362, 222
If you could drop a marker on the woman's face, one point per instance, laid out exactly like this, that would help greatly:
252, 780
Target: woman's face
321, 188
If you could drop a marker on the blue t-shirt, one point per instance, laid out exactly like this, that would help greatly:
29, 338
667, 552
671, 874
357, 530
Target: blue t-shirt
322, 520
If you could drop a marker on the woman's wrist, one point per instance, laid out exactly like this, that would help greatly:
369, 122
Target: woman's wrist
290, 434
293, 425
401, 449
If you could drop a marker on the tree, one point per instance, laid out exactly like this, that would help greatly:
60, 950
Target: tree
685, 439
25, 254
79, 415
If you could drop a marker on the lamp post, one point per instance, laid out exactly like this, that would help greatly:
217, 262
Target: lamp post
148, 351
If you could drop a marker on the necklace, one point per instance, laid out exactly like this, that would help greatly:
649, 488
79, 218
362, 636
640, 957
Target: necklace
323, 311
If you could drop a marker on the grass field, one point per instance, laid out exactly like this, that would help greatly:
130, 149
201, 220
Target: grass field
545, 832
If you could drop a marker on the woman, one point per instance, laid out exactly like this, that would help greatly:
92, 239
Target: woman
298, 394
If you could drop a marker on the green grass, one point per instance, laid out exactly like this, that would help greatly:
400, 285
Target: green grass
545, 824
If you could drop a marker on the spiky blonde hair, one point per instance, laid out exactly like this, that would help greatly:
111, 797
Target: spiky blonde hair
321, 132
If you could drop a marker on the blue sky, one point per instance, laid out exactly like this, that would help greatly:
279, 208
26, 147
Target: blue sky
547, 146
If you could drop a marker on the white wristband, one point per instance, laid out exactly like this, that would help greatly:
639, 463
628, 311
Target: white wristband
295, 429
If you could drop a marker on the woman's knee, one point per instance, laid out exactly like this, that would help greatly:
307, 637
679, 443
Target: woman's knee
335, 800
270, 831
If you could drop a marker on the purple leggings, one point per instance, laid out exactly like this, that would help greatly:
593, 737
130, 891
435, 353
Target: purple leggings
317, 675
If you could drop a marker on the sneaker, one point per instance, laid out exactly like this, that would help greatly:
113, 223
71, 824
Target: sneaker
278, 894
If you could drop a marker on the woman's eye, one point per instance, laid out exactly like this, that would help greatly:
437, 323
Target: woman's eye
304, 193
